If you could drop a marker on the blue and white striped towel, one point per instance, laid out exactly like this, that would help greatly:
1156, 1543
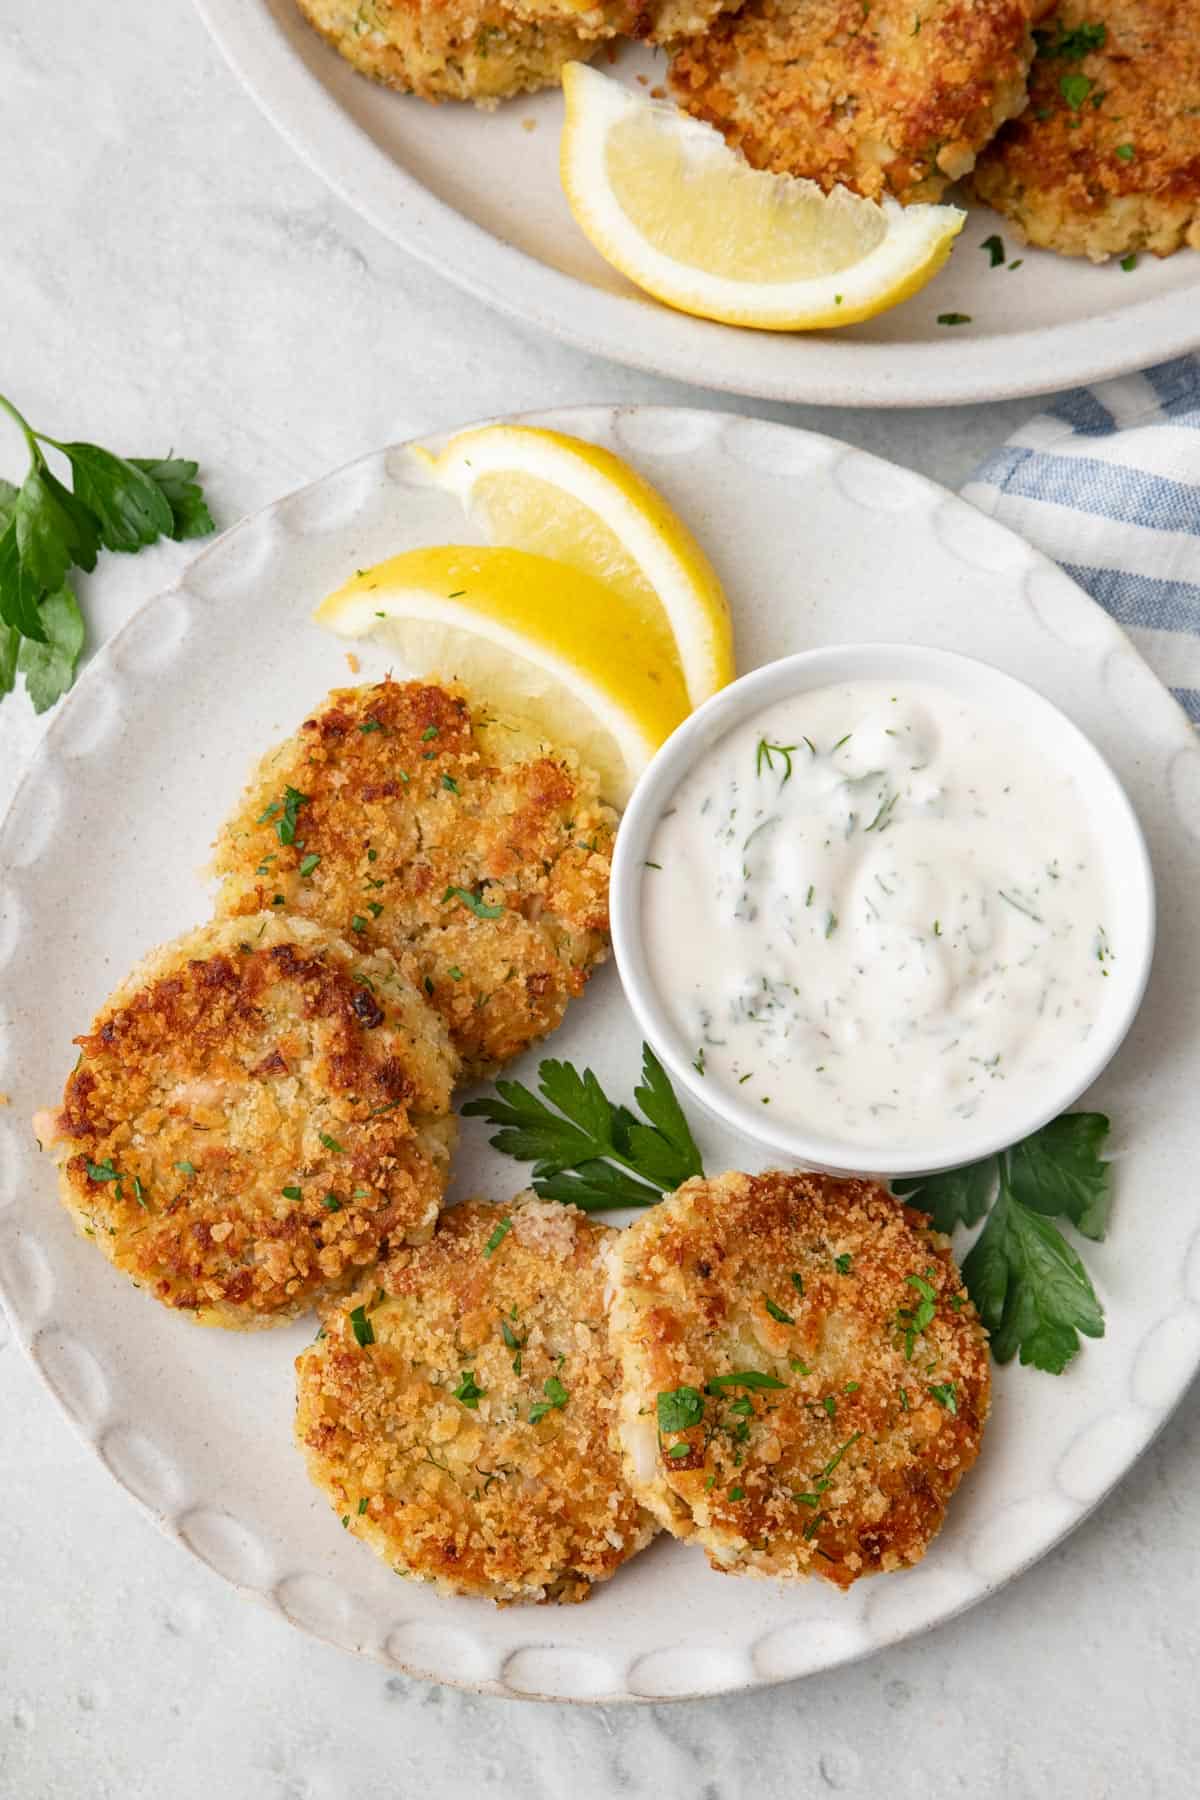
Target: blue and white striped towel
1107, 482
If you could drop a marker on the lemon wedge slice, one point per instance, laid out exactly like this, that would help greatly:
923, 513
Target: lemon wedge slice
665, 200
560, 496
546, 643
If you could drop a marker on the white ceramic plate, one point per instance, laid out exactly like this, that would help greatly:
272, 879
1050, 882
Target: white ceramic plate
477, 195
99, 859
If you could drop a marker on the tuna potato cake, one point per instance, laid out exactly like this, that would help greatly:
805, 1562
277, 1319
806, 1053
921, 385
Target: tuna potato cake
893, 98
477, 854
1106, 160
805, 1379
480, 50
256, 1112
460, 1412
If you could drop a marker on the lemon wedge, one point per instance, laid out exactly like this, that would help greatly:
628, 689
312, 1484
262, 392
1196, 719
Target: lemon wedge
560, 496
668, 203
546, 643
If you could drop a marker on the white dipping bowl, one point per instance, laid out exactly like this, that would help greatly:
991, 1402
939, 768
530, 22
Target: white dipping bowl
1037, 723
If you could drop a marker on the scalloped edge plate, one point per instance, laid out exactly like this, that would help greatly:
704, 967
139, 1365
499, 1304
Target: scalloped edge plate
140, 764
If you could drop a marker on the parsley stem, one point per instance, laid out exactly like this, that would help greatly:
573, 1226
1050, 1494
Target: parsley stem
29, 433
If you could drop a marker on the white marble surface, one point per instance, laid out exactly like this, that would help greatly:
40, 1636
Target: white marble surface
170, 275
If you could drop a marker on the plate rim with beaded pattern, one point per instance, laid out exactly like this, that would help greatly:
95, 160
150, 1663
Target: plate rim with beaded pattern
148, 752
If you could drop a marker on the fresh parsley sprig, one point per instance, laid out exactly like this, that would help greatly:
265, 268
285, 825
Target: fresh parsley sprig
1028, 1284
48, 529
584, 1148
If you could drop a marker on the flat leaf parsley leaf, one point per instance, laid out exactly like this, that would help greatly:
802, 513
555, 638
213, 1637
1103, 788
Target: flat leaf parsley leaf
1029, 1286
47, 529
584, 1148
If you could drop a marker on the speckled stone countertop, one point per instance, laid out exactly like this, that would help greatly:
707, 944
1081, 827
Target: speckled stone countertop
170, 275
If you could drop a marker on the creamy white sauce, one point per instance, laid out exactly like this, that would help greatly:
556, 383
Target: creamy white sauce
879, 912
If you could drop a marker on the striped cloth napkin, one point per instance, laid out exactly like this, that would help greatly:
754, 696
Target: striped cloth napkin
1107, 482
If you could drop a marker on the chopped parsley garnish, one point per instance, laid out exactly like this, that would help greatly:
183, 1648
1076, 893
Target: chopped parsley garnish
361, 1326
994, 246
843, 1263
737, 1493
139, 1192
186, 1168
454, 972
497, 1238
468, 1390
946, 1396
449, 783
747, 1378
429, 732
331, 1143
291, 1193
288, 809
679, 1409
308, 863
912, 1320
358, 923
1126, 152
370, 725
1029, 1286
698, 1061
331, 1203
954, 318
678, 1450
798, 1282
472, 902
103, 1171
584, 1148
1129, 263
777, 1312
556, 1398
362, 1506
1074, 90
1071, 44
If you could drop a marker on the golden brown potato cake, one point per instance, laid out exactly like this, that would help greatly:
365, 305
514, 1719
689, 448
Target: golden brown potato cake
805, 1379
474, 852
654, 21
480, 50
461, 1414
1106, 160
255, 1113
895, 98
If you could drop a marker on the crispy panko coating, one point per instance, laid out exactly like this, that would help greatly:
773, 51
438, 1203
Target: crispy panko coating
460, 1412
805, 1379
896, 97
256, 1112
1106, 160
481, 50
654, 21
478, 855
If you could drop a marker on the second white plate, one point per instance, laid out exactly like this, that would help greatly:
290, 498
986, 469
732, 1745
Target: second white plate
477, 195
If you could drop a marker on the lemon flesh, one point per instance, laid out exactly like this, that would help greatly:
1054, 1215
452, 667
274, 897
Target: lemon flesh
562, 497
548, 644
668, 203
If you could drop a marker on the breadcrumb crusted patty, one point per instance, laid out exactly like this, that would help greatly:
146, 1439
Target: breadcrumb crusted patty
481, 50
805, 1379
460, 1412
475, 853
256, 1112
1106, 160
893, 98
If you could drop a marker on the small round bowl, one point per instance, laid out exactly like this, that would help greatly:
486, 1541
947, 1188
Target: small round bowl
1035, 721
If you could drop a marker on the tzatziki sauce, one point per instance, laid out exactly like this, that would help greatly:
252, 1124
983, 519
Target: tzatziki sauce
877, 910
